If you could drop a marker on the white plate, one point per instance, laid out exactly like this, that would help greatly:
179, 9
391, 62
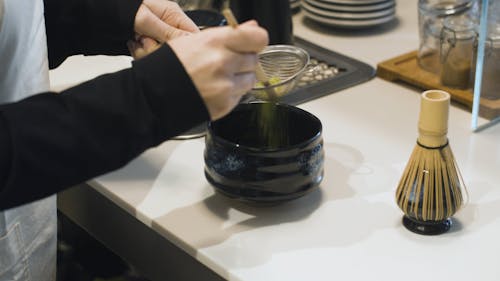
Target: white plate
354, 9
347, 15
347, 23
354, 2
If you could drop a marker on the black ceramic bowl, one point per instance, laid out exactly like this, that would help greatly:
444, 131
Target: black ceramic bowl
264, 159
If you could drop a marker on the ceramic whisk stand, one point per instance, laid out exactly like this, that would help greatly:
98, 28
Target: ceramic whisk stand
431, 189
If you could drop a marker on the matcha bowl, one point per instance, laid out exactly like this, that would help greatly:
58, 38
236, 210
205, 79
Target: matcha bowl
262, 160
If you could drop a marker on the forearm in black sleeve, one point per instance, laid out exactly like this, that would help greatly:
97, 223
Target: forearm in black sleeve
49, 142
88, 27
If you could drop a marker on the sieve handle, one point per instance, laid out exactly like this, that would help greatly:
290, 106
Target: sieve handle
259, 72
231, 20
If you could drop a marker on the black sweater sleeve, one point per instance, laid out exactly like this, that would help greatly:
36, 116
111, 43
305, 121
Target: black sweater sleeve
88, 27
50, 141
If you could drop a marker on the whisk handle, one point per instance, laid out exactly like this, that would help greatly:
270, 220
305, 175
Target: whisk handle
433, 118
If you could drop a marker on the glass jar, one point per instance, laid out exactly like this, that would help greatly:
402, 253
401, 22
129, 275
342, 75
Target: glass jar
490, 85
431, 16
458, 40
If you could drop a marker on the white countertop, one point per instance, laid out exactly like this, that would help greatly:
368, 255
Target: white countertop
348, 229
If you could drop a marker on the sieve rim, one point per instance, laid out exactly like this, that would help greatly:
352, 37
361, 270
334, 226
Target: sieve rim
291, 49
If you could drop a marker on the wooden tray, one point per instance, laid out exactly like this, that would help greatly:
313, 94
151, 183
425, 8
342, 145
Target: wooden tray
405, 68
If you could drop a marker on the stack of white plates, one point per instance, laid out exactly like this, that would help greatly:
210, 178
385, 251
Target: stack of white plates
294, 4
350, 13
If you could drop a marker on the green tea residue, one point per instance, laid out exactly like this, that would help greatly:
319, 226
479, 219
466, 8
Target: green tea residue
272, 126
269, 92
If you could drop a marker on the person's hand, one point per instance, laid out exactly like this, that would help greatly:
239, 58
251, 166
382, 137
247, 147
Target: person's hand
142, 46
162, 20
221, 62
158, 21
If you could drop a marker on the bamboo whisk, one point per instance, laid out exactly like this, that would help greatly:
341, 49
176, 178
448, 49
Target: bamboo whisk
431, 189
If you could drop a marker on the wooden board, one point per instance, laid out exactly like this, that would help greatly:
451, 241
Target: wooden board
405, 68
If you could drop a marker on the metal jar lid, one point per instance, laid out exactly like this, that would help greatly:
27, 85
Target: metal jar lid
445, 8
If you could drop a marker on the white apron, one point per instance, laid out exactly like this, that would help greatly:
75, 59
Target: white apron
27, 233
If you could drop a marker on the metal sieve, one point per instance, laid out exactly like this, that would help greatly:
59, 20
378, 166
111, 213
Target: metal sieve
283, 65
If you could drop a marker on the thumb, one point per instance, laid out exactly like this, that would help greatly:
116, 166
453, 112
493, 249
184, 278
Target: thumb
142, 47
149, 44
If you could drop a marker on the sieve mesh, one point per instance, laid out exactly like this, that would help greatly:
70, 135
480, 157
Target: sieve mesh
283, 64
